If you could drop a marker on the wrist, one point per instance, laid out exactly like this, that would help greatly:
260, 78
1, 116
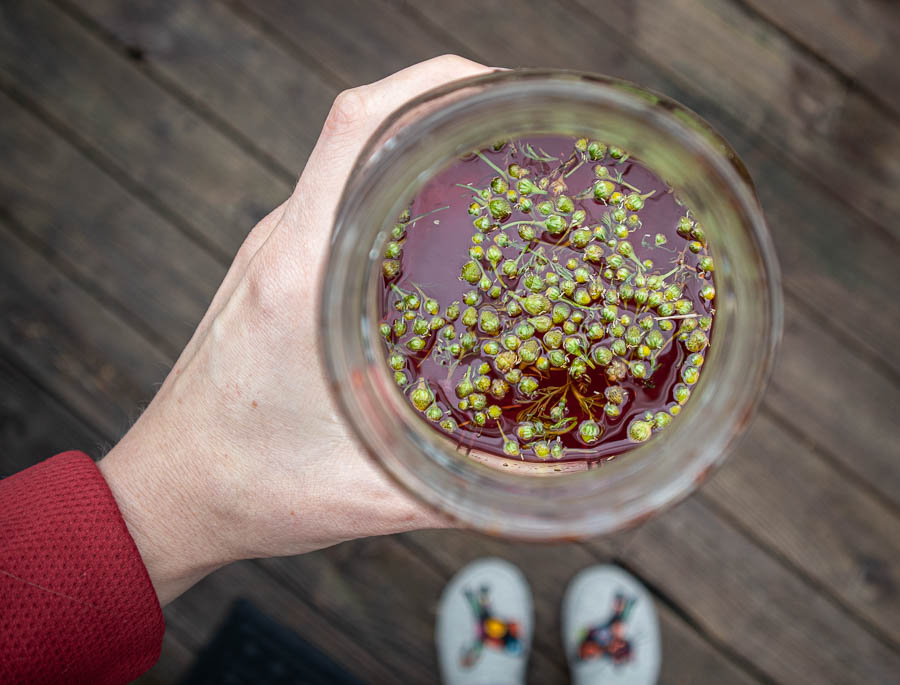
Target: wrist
164, 501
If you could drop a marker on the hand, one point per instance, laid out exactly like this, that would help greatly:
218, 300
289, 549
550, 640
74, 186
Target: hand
242, 452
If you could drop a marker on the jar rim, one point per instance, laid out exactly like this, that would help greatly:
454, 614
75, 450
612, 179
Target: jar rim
424, 463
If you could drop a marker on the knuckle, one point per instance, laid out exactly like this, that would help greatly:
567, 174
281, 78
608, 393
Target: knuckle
347, 112
451, 60
268, 297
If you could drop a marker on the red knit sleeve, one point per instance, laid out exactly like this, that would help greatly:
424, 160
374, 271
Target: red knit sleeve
76, 603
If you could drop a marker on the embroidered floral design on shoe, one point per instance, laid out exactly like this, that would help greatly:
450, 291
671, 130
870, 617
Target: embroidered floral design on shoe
490, 631
608, 640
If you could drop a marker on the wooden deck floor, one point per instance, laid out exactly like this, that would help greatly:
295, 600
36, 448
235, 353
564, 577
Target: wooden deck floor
141, 140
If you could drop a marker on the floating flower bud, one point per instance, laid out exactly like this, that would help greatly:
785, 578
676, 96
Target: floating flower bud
511, 448
553, 338
603, 190
390, 268
505, 361
421, 396
639, 431
596, 151
580, 237
416, 344
690, 374
555, 224
513, 376
578, 368
634, 202
589, 431
696, 341
536, 304
639, 369
593, 253
477, 401
528, 385
471, 272
526, 187
499, 388
557, 358
573, 345
542, 323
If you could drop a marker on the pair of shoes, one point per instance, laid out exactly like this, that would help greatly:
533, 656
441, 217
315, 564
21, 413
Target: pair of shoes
486, 618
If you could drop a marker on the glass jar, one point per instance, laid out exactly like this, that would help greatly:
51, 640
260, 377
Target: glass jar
522, 499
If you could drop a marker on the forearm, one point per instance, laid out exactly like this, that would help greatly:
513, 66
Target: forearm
165, 501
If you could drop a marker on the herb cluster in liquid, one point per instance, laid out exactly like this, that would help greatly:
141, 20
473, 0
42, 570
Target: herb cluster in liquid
547, 299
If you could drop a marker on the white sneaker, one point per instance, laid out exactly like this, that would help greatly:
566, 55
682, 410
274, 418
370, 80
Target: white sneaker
610, 629
484, 625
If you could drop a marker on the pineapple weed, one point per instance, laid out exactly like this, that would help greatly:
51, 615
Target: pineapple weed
582, 306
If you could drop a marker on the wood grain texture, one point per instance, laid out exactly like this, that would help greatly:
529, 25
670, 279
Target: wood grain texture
858, 38
810, 226
391, 595
756, 74
687, 658
773, 562
748, 600
195, 616
195, 172
100, 367
174, 662
83, 218
793, 502
266, 95
838, 400
34, 425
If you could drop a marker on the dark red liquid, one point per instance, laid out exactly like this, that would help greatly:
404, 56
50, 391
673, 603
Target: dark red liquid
435, 248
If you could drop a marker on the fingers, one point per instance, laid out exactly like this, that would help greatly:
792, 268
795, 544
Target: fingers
353, 118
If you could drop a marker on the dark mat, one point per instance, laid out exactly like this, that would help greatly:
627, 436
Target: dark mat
251, 648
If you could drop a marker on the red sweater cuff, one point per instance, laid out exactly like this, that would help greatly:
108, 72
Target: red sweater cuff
76, 602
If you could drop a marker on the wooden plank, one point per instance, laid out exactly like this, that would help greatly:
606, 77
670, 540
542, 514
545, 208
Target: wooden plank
797, 504
811, 230
92, 402
174, 661
79, 216
756, 74
858, 38
369, 580
838, 401
810, 226
687, 657
34, 425
69, 342
201, 179
374, 43
194, 617
743, 597
273, 100
799, 106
